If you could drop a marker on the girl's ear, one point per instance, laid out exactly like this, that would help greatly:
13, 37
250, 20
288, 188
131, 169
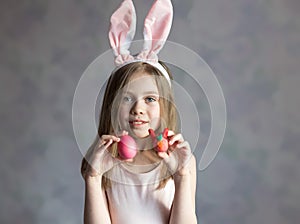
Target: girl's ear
122, 30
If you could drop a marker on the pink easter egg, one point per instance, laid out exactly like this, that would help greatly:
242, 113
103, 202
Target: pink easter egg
127, 147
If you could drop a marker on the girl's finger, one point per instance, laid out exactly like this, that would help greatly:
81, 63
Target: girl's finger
107, 137
108, 143
176, 138
184, 144
170, 133
162, 155
124, 133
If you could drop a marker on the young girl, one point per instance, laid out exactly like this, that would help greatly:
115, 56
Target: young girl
152, 187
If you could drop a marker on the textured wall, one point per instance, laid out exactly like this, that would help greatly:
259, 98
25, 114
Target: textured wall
254, 49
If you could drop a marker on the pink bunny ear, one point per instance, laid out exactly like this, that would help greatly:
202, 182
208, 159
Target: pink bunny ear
122, 30
156, 29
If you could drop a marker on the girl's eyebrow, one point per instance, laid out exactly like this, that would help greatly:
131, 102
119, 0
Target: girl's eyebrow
144, 93
151, 92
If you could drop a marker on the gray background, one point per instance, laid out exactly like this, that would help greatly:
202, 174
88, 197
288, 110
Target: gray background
252, 46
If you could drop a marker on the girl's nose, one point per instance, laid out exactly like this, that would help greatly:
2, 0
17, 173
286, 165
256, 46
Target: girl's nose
138, 108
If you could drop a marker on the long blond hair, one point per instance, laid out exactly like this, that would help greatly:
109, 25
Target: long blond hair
117, 81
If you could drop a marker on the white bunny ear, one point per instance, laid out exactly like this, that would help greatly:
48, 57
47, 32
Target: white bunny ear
122, 30
156, 29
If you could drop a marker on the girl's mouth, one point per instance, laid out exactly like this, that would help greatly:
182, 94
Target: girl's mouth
137, 122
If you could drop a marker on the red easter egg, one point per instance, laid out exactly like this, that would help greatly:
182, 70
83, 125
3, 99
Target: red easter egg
127, 147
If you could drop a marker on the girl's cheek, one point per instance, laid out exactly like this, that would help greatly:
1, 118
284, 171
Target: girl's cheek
123, 117
124, 112
155, 107
124, 108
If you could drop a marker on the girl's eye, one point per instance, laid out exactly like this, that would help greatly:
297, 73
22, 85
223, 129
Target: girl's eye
150, 99
127, 99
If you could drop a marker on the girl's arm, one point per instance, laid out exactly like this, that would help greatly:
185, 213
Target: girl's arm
97, 161
183, 208
95, 207
182, 163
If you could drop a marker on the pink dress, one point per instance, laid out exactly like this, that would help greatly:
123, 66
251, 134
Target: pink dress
133, 198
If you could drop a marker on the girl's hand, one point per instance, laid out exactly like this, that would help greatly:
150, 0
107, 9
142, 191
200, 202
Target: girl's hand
99, 159
178, 155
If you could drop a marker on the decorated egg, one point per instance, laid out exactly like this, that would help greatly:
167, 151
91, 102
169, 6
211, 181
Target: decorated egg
127, 147
160, 142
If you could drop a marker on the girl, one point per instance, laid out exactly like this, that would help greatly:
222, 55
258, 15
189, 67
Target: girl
153, 187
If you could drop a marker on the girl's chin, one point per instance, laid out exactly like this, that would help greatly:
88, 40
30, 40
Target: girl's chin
139, 133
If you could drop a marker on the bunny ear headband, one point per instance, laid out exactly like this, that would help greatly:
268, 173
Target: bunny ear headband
157, 27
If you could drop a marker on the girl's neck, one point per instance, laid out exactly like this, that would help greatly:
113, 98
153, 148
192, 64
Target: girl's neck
144, 143
144, 161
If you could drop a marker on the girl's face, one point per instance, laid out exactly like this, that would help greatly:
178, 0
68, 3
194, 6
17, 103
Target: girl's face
139, 107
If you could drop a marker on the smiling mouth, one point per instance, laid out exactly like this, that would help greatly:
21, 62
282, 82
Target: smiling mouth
137, 122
